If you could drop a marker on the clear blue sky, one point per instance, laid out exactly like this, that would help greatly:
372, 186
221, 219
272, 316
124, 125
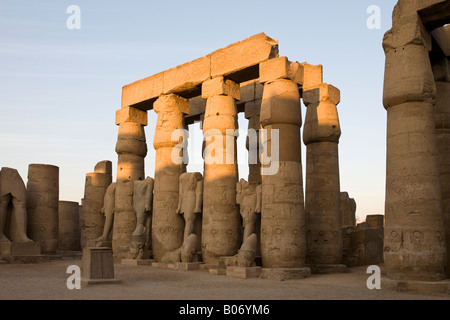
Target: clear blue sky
60, 88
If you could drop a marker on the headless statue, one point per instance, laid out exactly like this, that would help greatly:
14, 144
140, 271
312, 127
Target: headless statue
190, 199
108, 211
12, 190
248, 196
142, 205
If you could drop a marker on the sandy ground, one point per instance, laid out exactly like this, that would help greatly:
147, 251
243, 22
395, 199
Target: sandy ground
47, 281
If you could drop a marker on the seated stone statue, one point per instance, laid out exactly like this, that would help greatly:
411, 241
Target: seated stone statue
248, 196
12, 190
108, 211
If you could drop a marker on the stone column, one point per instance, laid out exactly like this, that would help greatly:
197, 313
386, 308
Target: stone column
42, 205
322, 191
282, 211
167, 225
442, 120
252, 112
95, 187
131, 149
414, 246
221, 219
69, 227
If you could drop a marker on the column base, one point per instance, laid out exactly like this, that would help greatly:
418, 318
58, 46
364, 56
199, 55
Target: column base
227, 261
182, 266
413, 286
327, 268
214, 268
282, 274
137, 262
20, 253
243, 272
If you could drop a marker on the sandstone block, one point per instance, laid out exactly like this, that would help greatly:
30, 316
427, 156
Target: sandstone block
323, 92
171, 103
281, 103
247, 91
375, 221
220, 86
253, 109
143, 90
281, 68
187, 77
243, 55
129, 114
312, 75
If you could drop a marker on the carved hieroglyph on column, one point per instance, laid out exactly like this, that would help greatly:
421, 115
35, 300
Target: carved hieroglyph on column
442, 118
131, 148
167, 225
414, 247
221, 223
321, 135
282, 211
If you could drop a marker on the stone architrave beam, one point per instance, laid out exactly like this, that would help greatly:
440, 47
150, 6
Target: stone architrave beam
238, 62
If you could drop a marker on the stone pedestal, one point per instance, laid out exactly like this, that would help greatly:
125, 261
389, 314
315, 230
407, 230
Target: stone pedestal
97, 266
17, 253
98, 243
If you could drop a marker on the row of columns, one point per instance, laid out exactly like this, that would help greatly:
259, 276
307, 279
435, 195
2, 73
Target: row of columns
289, 232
